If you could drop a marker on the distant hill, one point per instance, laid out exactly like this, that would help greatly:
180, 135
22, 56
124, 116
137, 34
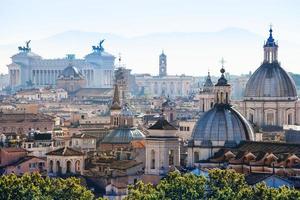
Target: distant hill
296, 78
188, 53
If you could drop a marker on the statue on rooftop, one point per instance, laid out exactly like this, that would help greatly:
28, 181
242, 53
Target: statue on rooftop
98, 48
25, 48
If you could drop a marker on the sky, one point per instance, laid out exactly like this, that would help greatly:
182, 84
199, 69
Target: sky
37, 19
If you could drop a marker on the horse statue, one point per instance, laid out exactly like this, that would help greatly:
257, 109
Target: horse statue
25, 48
98, 48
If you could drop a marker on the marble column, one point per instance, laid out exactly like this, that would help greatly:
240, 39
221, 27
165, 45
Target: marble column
92, 77
45, 77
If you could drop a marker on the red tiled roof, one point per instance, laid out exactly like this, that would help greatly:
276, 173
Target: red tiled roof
65, 151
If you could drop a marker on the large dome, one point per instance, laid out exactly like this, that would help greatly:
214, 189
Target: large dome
270, 81
222, 125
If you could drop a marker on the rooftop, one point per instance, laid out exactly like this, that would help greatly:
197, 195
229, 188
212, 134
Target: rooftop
65, 151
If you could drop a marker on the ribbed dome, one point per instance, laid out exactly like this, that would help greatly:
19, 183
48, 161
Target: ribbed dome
222, 124
272, 81
123, 136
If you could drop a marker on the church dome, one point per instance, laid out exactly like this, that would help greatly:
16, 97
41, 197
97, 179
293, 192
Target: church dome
123, 136
270, 80
222, 124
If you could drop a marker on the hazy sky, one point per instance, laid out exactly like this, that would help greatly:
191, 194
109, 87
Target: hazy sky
36, 19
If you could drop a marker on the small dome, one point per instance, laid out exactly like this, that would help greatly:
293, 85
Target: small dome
222, 124
123, 136
270, 80
71, 71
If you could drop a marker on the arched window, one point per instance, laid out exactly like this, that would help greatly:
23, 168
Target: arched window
116, 121
68, 167
58, 167
171, 157
196, 156
152, 159
226, 97
51, 166
222, 98
290, 119
77, 166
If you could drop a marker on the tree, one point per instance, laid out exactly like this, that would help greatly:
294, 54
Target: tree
225, 184
178, 186
142, 191
175, 186
221, 184
35, 187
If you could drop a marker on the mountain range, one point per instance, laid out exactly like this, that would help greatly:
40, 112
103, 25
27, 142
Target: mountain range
191, 53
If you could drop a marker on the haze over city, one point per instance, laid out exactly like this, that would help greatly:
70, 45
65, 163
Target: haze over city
160, 99
194, 35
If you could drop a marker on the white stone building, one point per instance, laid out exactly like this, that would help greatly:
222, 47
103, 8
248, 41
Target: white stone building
164, 85
42, 94
84, 142
29, 69
65, 160
162, 148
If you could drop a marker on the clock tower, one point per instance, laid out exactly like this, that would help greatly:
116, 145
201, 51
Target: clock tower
162, 64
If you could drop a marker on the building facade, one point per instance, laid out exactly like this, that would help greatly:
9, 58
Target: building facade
163, 85
162, 148
19, 122
29, 69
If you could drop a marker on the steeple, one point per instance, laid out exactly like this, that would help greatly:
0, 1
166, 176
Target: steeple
116, 99
208, 85
222, 88
270, 48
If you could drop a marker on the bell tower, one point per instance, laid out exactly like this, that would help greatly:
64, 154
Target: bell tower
270, 49
162, 64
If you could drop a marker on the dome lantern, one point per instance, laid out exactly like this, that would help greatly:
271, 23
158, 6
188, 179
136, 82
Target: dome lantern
270, 49
222, 89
